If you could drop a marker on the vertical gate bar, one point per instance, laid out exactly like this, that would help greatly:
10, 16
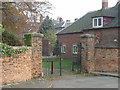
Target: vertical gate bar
60, 60
80, 57
51, 67
60, 67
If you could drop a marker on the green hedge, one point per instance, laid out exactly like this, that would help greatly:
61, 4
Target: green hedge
27, 39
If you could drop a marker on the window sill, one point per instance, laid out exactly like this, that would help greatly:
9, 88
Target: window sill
75, 53
97, 26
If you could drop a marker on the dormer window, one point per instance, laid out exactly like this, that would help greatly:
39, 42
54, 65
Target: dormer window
97, 22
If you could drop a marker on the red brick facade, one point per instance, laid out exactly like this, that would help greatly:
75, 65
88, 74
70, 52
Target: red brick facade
103, 38
69, 40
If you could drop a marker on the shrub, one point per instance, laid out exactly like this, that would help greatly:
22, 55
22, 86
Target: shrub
1, 29
56, 49
11, 38
27, 39
8, 51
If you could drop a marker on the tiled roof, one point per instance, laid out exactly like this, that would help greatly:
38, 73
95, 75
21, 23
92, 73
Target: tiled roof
85, 22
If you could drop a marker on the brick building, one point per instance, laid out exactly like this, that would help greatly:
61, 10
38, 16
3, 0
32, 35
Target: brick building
103, 24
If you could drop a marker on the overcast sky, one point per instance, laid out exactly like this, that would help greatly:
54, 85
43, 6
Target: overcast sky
71, 9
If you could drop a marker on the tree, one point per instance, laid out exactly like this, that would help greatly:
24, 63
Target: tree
51, 36
19, 16
47, 28
46, 25
56, 49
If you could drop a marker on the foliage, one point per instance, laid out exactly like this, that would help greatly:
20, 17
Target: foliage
8, 51
47, 28
19, 16
17, 51
56, 49
1, 30
11, 38
27, 39
46, 25
51, 36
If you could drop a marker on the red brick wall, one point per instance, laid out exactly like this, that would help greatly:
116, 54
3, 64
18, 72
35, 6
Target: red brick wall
16, 68
23, 66
106, 60
99, 58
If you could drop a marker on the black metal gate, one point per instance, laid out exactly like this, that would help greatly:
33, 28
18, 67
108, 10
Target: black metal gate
64, 66
77, 61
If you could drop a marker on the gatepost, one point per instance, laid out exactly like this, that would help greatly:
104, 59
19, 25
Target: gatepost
36, 67
87, 52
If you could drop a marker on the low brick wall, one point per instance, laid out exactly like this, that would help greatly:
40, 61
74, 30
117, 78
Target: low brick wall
106, 59
23, 66
16, 68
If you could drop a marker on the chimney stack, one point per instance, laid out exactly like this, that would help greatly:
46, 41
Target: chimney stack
104, 4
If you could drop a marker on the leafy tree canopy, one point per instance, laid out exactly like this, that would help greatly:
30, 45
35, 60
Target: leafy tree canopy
46, 25
47, 28
23, 16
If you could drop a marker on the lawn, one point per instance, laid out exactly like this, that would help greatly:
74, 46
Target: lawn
66, 63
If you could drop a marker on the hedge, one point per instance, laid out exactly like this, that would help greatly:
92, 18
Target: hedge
27, 39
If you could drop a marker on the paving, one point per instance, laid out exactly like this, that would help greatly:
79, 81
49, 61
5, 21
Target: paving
68, 81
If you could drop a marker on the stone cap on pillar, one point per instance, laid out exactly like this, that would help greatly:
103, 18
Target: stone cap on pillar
37, 34
87, 36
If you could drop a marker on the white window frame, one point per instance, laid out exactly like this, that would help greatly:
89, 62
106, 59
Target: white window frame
63, 49
97, 22
75, 52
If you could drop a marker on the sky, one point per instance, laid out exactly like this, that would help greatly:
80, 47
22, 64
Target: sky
71, 9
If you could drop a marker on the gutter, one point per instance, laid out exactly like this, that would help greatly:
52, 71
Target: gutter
88, 30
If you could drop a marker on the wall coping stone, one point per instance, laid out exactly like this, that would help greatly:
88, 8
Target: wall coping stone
109, 47
37, 34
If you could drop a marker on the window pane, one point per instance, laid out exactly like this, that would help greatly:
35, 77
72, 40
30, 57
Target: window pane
75, 49
95, 22
64, 49
61, 49
99, 22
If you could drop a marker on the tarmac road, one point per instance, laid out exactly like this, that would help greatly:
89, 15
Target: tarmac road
86, 82
69, 81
